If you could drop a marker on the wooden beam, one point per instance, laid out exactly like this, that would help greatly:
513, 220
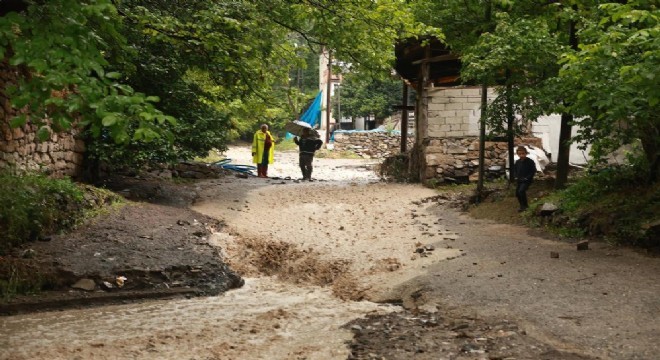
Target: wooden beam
436, 59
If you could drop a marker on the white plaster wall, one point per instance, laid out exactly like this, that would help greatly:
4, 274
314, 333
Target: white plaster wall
455, 112
548, 128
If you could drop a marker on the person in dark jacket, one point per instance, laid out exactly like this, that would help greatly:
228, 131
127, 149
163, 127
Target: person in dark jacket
307, 146
523, 170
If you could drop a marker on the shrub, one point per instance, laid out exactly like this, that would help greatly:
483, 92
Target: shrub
615, 203
33, 206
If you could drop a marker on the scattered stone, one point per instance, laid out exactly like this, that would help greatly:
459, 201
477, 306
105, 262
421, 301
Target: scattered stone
106, 286
583, 245
548, 209
429, 247
85, 284
28, 253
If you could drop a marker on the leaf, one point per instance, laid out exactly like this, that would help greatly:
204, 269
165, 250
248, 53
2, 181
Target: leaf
43, 133
113, 75
17, 121
109, 120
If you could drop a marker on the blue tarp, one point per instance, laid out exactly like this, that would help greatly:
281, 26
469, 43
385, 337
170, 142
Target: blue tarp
312, 115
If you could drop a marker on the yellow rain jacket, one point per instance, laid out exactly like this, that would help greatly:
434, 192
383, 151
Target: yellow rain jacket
258, 147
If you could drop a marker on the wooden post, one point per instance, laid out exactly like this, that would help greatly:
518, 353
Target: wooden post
327, 105
404, 119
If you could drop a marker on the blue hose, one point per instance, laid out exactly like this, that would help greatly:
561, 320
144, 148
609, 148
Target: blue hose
245, 169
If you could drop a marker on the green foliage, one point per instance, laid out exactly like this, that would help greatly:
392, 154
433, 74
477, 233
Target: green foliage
287, 145
61, 44
614, 203
32, 206
613, 80
366, 96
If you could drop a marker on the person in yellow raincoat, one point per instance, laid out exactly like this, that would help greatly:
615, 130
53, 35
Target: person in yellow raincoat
263, 149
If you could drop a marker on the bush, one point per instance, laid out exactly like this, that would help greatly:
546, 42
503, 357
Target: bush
616, 203
33, 206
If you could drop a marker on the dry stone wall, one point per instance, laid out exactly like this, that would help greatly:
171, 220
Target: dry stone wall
20, 148
457, 159
374, 144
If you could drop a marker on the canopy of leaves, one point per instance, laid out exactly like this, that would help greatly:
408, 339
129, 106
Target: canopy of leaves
219, 67
610, 82
368, 97
62, 44
613, 79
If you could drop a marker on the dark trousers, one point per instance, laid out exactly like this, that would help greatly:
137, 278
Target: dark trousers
305, 161
521, 193
262, 168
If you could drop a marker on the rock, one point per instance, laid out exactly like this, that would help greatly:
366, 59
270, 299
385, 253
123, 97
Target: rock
548, 209
107, 286
28, 254
583, 245
554, 254
85, 284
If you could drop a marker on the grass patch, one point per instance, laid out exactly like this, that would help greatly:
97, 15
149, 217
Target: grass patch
615, 205
334, 154
33, 206
212, 157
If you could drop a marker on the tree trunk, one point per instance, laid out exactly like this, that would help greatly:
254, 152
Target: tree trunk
651, 146
509, 125
566, 129
564, 151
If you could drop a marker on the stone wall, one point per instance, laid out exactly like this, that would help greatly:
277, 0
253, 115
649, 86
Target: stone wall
451, 151
456, 160
20, 149
372, 144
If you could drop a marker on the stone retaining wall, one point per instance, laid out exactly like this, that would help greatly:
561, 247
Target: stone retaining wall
370, 144
20, 149
457, 159
450, 159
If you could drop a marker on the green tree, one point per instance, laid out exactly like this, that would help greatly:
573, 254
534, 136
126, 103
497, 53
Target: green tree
613, 80
61, 43
368, 97
218, 67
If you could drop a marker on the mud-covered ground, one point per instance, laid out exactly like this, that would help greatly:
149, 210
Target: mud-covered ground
134, 251
345, 267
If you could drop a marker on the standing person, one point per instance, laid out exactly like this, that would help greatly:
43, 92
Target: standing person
263, 150
308, 145
523, 170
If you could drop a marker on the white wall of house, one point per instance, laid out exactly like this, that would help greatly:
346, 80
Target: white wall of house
454, 112
547, 128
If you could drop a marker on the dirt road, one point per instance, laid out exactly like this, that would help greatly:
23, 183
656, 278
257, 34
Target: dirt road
328, 264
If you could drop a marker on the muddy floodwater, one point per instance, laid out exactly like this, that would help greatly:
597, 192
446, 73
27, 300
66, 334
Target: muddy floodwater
264, 319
